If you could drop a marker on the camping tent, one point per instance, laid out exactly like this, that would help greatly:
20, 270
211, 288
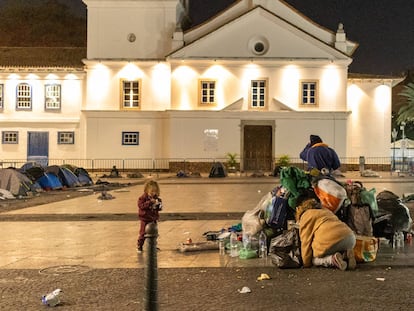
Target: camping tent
66, 176
49, 181
15, 182
218, 170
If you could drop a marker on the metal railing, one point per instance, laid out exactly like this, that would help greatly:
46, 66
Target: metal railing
204, 164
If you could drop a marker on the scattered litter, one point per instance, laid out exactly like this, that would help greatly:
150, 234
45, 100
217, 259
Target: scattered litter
263, 276
106, 196
122, 190
85, 190
244, 290
52, 299
380, 279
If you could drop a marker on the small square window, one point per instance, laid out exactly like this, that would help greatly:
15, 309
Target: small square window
11, 137
130, 138
66, 138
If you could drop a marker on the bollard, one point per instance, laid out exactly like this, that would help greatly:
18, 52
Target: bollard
150, 270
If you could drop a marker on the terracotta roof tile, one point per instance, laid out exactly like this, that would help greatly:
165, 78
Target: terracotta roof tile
42, 56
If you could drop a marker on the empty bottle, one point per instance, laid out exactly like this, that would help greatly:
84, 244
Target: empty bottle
398, 240
222, 248
52, 299
234, 245
262, 245
247, 241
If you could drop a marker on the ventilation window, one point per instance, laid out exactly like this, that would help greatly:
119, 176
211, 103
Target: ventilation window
258, 45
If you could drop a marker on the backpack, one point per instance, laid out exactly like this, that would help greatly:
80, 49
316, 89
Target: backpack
358, 213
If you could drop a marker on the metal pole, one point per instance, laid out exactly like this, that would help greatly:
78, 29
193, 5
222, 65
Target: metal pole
151, 269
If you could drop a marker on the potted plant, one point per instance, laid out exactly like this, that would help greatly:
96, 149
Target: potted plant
231, 161
282, 161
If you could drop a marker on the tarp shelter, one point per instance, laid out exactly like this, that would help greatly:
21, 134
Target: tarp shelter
406, 144
15, 182
218, 170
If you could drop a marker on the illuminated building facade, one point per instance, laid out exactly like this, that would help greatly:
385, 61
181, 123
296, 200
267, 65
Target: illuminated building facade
257, 79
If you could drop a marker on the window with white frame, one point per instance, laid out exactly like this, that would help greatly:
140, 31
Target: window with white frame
1, 96
130, 138
24, 97
131, 94
10, 137
258, 94
52, 96
66, 138
309, 93
207, 91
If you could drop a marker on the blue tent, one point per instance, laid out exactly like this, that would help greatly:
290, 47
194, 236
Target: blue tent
65, 175
49, 181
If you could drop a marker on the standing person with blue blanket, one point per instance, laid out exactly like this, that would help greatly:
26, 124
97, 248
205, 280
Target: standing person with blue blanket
319, 155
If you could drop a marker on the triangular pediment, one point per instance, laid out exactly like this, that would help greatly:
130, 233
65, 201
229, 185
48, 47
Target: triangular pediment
258, 33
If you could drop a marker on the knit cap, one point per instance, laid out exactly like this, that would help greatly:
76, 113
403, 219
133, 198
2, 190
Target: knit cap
314, 139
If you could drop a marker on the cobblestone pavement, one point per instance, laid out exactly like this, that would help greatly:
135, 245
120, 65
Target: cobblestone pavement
367, 288
108, 275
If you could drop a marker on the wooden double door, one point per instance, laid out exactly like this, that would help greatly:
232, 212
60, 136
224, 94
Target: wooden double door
257, 148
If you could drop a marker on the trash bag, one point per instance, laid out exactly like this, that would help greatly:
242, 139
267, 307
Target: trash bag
253, 220
285, 250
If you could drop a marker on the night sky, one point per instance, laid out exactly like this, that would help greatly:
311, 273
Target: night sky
384, 29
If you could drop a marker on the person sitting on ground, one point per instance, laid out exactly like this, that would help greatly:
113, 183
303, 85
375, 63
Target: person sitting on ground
114, 172
319, 155
325, 240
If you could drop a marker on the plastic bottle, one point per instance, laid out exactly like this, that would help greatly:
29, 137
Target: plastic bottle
52, 299
222, 248
262, 245
247, 241
398, 240
234, 245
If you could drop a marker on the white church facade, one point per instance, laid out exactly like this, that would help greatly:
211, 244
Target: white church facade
256, 80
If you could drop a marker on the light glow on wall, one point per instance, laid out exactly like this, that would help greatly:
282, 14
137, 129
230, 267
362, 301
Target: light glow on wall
185, 75
221, 74
382, 97
290, 82
13, 76
330, 81
51, 76
98, 84
354, 98
161, 83
131, 72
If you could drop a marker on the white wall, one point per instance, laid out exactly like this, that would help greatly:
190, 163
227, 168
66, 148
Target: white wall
110, 23
369, 125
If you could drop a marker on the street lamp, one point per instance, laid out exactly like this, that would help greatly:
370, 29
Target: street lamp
394, 134
402, 127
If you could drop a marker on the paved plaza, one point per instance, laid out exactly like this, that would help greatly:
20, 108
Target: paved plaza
86, 246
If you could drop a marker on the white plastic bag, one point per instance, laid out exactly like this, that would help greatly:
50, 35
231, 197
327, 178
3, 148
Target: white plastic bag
253, 220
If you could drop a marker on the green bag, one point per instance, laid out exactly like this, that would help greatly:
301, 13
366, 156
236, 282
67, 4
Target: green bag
246, 253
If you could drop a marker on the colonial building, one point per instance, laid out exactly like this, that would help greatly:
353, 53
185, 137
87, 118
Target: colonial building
257, 79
